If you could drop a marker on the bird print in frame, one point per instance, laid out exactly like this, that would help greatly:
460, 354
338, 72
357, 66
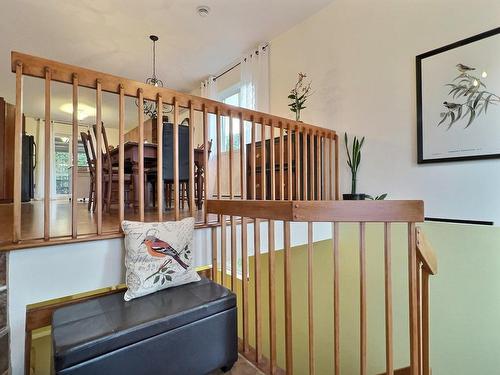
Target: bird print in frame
458, 97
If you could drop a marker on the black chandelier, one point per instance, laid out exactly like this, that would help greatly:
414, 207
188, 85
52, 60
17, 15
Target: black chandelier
149, 107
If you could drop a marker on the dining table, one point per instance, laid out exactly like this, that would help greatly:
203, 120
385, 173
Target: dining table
131, 154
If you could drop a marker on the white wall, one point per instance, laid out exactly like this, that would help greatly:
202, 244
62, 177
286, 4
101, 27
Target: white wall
360, 55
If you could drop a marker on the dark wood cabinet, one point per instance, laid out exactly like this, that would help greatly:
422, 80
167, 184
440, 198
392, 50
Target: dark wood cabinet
7, 122
296, 160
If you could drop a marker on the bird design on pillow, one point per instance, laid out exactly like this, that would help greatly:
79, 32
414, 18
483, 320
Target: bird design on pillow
159, 249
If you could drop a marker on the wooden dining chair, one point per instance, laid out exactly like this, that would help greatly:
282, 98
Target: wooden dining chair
200, 178
111, 175
168, 165
89, 153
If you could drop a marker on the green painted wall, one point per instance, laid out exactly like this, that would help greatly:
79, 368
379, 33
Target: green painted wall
465, 301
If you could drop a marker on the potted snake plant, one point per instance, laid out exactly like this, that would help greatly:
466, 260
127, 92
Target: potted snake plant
353, 161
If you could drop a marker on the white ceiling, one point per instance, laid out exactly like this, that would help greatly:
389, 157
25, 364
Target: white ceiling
112, 36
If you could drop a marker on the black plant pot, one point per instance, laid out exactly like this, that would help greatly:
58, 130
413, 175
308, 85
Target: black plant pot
354, 197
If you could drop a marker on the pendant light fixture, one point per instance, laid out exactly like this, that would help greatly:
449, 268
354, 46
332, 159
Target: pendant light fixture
150, 109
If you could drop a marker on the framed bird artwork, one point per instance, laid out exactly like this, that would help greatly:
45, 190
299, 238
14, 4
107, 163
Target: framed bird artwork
458, 100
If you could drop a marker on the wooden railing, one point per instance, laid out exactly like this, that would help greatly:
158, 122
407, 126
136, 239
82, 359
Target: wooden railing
421, 264
309, 151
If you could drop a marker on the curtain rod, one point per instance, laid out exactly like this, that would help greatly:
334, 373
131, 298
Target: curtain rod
237, 64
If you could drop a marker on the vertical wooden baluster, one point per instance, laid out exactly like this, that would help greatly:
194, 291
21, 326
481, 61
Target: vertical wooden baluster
121, 153
223, 249
281, 157
191, 126
231, 155
425, 323
244, 234
419, 313
140, 178
98, 163
324, 167
206, 172
272, 162
297, 163
312, 165
18, 142
74, 164
336, 299
214, 255
243, 159
362, 302
290, 164
244, 281
159, 157
272, 292
257, 301
304, 165
318, 166
48, 152
312, 158
330, 167
253, 162
231, 196
176, 159
337, 179
388, 300
412, 285
234, 255
219, 153
263, 187
288, 298
310, 300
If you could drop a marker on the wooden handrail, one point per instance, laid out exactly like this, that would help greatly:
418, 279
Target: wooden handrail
425, 252
322, 211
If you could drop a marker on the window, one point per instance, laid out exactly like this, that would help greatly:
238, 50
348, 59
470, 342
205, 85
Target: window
82, 157
62, 167
232, 97
62, 164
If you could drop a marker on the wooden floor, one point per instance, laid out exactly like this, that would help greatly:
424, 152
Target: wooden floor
242, 367
60, 221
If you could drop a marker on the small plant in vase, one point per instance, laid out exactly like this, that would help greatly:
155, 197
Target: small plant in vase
299, 95
353, 161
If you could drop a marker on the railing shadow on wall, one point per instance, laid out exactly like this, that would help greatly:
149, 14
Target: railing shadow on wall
295, 161
421, 264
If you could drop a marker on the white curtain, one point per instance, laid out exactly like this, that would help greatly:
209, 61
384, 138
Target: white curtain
209, 91
209, 88
254, 92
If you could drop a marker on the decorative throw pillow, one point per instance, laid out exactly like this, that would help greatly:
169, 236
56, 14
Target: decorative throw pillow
158, 256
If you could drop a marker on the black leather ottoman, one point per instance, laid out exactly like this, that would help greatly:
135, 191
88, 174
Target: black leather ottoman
190, 329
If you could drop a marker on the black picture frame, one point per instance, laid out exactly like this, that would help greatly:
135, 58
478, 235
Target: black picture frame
418, 63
